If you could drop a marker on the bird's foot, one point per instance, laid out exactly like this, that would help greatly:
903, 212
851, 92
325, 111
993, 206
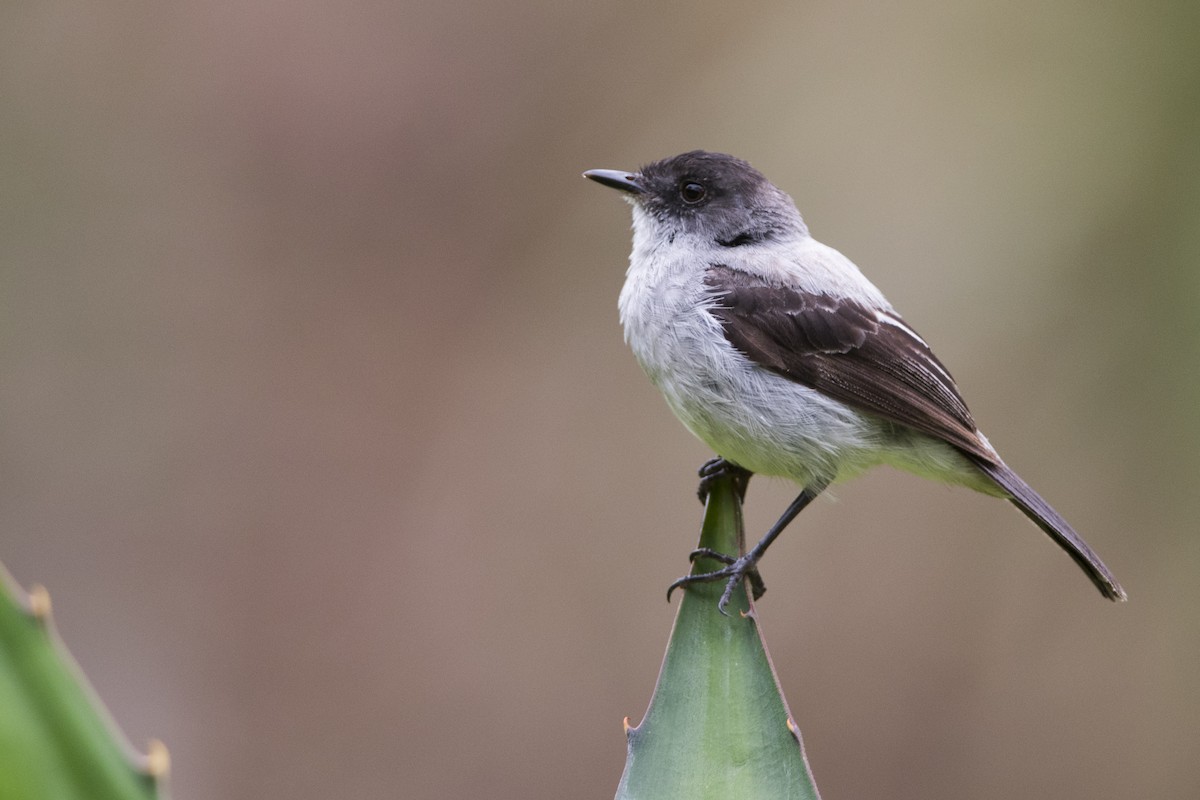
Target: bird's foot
718, 468
733, 573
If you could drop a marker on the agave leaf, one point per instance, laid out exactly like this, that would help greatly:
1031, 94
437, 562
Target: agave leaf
56, 739
718, 725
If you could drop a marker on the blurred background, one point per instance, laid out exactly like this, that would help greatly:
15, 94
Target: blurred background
318, 424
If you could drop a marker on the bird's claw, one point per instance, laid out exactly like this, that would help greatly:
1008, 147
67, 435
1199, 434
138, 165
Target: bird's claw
716, 469
734, 571
708, 552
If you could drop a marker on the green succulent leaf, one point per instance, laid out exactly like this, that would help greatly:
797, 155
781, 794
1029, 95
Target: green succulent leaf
718, 725
56, 740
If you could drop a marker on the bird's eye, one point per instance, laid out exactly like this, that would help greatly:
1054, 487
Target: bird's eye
692, 192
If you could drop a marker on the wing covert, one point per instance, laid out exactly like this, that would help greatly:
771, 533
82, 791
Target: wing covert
867, 358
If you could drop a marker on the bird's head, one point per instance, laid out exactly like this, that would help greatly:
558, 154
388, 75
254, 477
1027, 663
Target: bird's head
712, 196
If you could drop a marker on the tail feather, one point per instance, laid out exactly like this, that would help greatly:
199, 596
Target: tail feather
1046, 518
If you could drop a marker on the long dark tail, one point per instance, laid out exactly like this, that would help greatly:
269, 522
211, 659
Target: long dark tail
1046, 518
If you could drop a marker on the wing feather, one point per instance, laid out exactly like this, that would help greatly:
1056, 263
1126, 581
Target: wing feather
867, 358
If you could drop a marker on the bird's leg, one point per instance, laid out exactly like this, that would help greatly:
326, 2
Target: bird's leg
716, 468
735, 570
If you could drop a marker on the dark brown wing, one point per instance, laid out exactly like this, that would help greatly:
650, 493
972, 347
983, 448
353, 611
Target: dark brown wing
871, 361
874, 362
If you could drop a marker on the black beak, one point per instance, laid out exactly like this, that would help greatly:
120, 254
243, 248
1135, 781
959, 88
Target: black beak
616, 179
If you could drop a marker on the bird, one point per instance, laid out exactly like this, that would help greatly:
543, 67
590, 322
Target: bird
779, 354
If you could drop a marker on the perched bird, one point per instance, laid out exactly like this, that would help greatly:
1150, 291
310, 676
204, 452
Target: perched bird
780, 355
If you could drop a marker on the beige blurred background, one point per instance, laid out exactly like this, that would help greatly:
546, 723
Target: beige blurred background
319, 426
